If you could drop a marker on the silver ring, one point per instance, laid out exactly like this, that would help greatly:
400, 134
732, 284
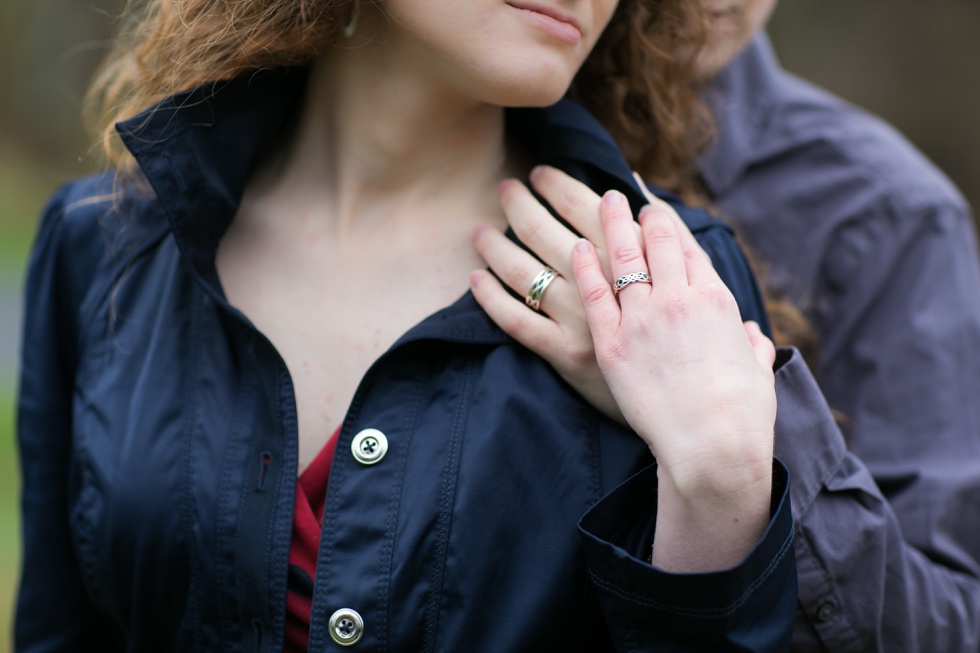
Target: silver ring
538, 286
632, 277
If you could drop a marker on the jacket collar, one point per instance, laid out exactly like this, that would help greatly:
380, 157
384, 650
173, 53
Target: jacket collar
196, 150
742, 99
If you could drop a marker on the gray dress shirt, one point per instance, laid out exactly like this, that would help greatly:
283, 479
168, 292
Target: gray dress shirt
879, 249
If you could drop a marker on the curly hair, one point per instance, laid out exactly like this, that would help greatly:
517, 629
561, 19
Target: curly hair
634, 81
639, 81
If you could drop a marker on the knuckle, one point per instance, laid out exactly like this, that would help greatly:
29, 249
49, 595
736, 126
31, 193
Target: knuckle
593, 294
529, 230
517, 276
660, 231
513, 323
612, 352
676, 308
718, 296
693, 255
569, 202
581, 355
625, 254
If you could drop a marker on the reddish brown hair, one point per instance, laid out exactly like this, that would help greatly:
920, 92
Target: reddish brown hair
639, 80
633, 81
640, 83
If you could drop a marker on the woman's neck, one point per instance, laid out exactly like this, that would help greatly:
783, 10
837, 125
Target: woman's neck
378, 138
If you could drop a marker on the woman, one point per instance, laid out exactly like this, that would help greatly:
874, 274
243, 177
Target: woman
856, 224
269, 301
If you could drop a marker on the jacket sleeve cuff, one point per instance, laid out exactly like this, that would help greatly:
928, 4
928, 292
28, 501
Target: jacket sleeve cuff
751, 605
808, 438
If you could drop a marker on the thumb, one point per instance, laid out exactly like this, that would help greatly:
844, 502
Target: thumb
762, 347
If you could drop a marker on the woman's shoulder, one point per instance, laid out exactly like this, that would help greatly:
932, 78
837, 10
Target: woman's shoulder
90, 229
104, 213
78, 207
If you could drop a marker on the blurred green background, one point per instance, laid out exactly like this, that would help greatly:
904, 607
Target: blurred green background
915, 63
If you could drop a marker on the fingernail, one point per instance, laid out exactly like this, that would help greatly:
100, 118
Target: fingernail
478, 230
504, 185
476, 278
583, 246
614, 197
536, 172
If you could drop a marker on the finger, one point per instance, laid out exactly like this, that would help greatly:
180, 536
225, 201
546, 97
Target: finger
531, 329
650, 197
661, 239
547, 238
601, 308
700, 268
571, 199
765, 351
518, 269
625, 249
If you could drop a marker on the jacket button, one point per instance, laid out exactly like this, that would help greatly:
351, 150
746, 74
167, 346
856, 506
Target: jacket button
369, 446
346, 627
826, 611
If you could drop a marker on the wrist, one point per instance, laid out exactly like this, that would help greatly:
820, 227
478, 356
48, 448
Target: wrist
710, 525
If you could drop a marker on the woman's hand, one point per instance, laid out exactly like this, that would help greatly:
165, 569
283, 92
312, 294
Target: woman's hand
690, 379
559, 333
694, 383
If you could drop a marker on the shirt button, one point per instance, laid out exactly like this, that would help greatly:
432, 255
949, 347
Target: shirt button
346, 627
826, 611
369, 446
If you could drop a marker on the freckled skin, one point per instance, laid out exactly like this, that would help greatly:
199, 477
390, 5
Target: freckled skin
359, 227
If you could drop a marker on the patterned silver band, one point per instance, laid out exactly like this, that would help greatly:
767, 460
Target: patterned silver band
538, 286
632, 277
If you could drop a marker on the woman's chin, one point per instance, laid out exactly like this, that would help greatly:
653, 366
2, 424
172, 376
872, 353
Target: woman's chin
539, 92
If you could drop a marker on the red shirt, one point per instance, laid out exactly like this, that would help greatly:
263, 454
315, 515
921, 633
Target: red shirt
311, 494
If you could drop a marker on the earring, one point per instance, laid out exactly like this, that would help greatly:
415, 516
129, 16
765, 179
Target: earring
351, 25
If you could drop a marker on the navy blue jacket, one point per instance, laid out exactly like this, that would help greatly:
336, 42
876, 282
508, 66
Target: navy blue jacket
157, 430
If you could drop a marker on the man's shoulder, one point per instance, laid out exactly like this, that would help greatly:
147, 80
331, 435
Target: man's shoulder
837, 141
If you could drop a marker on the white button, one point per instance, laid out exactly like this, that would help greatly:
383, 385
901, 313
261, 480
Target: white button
369, 446
346, 627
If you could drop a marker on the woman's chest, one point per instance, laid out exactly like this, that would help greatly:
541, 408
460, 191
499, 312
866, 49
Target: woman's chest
185, 442
331, 313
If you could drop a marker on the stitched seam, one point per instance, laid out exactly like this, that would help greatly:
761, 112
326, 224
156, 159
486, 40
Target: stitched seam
330, 518
391, 522
594, 449
86, 545
716, 612
854, 639
225, 536
629, 632
280, 530
446, 502
187, 479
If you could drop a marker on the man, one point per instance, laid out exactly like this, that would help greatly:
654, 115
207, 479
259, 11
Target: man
878, 248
